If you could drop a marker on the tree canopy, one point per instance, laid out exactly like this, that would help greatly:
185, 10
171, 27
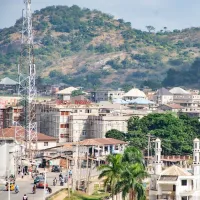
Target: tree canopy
115, 134
125, 173
176, 133
184, 78
76, 93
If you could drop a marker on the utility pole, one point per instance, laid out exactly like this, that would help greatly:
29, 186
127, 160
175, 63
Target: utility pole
45, 182
26, 74
74, 174
149, 141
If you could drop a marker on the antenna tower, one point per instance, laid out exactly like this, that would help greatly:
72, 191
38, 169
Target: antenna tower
26, 74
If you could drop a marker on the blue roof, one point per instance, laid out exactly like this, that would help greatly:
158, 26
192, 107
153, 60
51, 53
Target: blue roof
120, 101
141, 101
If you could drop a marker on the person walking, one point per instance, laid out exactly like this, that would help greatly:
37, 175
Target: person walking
25, 197
22, 174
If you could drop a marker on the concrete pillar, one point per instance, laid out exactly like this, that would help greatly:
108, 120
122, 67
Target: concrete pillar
108, 149
103, 150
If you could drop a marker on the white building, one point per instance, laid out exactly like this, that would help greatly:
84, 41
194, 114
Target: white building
74, 122
175, 182
11, 151
53, 120
99, 147
163, 96
134, 94
43, 141
185, 98
65, 93
84, 127
106, 95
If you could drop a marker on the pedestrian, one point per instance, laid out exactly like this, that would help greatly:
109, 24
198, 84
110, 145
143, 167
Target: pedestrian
22, 174
25, 197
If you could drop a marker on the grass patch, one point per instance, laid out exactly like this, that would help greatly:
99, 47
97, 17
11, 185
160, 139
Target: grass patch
83, 196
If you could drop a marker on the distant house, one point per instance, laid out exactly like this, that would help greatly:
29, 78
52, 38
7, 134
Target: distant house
66, 93
163, 96
8, 85
106, 95
100, 147
43, 141
171, 107
134, 94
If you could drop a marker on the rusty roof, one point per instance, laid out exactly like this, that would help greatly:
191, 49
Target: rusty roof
10, 132
174, 106
100, 141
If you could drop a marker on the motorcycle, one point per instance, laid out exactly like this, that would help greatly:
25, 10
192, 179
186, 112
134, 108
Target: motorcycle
62, 182
16, 190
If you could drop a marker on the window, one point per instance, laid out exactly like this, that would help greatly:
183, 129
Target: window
63, 135
184, 182
83, 132
183, 198
195, 145
63, 125
67, 125
46, 144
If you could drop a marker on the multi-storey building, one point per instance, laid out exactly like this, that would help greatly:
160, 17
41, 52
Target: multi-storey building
84, 127
163, 96
185, 98
53, 119
106, 95
73, 122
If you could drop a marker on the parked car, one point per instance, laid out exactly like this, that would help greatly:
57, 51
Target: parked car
56, 168
38, 179
41, 184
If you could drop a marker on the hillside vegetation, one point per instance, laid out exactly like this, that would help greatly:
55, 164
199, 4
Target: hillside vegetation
88, 48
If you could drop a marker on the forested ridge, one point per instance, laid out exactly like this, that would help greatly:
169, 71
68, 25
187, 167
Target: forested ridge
88, 48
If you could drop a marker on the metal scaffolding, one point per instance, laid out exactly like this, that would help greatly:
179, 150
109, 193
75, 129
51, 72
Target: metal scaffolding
26, 74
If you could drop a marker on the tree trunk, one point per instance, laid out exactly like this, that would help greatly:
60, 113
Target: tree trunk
132, 194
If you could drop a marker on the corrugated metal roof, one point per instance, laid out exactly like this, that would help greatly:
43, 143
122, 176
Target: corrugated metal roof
175, 171
10, 132
135, 93
141, 101
68, 90
100, 141
178, 90
163, 91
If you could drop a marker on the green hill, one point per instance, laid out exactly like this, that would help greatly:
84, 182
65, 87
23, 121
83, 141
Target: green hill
88, 48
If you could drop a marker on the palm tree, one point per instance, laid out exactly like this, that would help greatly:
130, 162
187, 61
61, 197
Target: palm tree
131, 181
132, 155
111, 172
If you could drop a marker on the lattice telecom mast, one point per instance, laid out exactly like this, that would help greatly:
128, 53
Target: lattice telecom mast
27, 73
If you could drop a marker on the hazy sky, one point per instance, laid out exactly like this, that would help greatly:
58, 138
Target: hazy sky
174, 14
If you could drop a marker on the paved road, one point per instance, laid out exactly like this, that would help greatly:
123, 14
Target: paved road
26, 185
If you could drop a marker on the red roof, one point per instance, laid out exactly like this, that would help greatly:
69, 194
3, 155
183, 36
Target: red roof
101, 141
10, 132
